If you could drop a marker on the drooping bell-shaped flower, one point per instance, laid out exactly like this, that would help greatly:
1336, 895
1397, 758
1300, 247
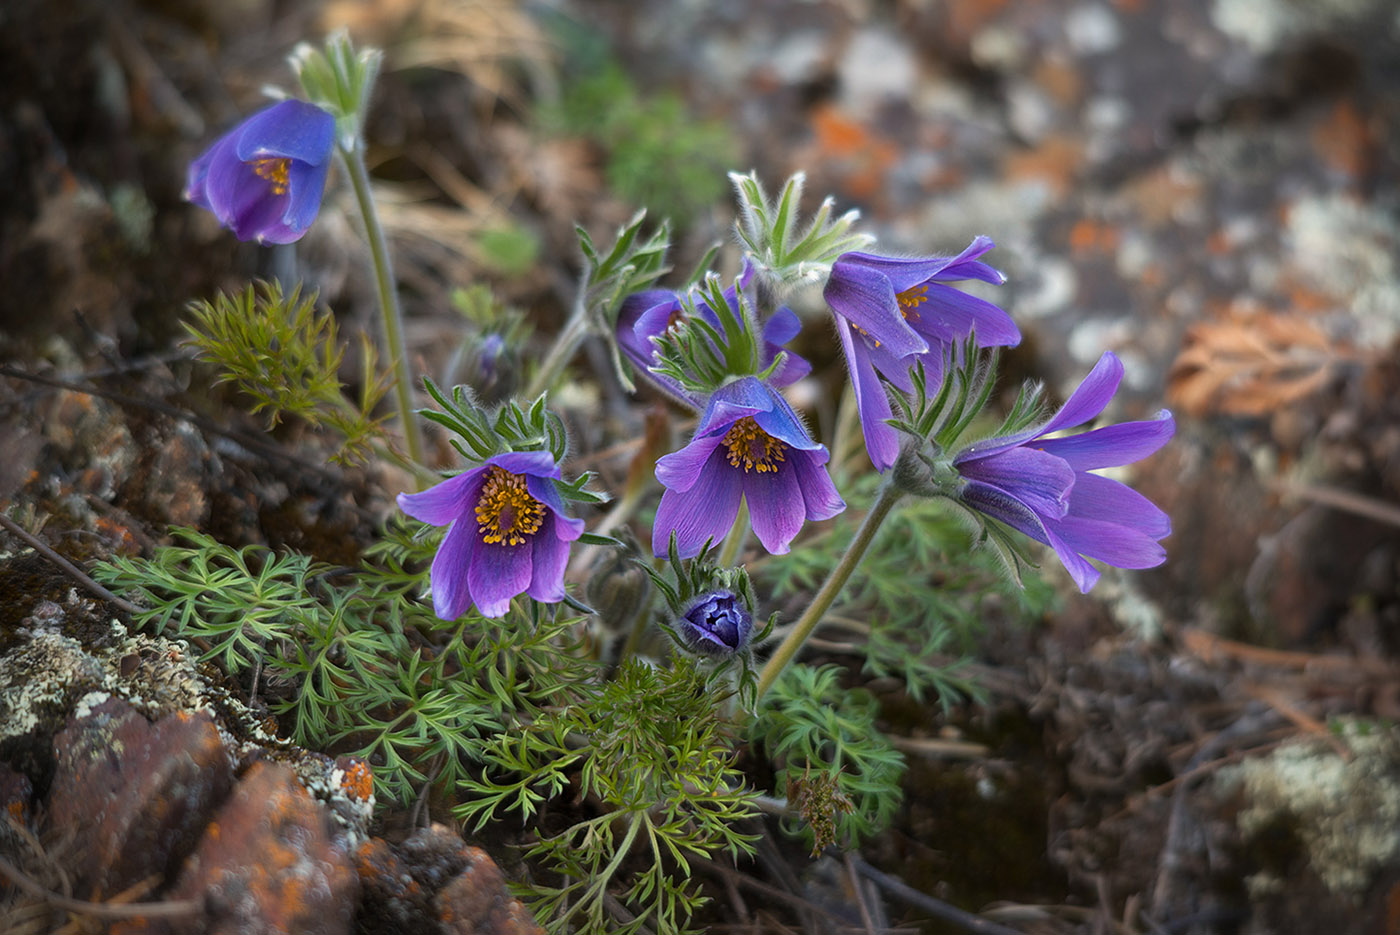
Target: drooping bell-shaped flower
894, 312
645, 316
264, 179
1042, 484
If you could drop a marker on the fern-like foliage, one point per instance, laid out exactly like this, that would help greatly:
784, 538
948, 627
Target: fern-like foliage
285, 354
841, 774
652, 755
921, 594
373, 673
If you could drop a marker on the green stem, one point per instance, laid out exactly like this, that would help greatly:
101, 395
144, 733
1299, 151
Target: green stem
889, 495
634, 637
565, 344
388, 299
738, 535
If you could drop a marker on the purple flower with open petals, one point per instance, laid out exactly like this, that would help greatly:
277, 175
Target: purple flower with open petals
264, 179
508, 534
749, 444
892, 313
649, 314
1043, 487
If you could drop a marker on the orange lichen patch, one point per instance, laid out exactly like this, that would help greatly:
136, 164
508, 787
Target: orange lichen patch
1088, 235
117, 533
1060, 79
966, 18
1158, 195
861, 158
1055, 162
1219, 243
1344, 140
358, 782
382, 871
1129, 6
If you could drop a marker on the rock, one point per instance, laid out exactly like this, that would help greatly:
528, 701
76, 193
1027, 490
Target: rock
435, 880
268, 863
133, 796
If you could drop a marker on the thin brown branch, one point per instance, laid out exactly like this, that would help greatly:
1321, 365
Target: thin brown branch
73, 571
169, 909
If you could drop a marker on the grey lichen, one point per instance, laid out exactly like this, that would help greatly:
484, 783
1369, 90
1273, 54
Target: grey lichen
1345, 814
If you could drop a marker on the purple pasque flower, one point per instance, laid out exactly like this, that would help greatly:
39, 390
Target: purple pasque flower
716, 624
1043, 485
650, 314
893, 312
750, 445
507, 534
264, 178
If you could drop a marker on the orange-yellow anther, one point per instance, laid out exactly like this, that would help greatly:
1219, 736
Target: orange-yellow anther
910, 299
752, 447
274, 170
505, 511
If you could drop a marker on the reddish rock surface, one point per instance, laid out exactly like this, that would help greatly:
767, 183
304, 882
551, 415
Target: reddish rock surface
267, 863
133, 796
436, 881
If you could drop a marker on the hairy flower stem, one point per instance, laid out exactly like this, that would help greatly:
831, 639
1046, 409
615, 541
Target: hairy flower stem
889, 495
738, 535
388, 299
565, 344
640, 624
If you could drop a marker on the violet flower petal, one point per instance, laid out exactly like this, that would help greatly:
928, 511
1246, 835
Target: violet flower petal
705, 511
881, 439
1040, 481
1112, 445
289, 129
448, 575
443, 503
776, 508
865, 298
498, 573
550, 555
819, 494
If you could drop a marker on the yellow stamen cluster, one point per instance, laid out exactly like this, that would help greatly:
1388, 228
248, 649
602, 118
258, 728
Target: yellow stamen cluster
275, 171
505, 511
911, 299
754, 448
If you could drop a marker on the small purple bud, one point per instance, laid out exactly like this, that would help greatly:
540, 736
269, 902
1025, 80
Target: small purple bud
717, 623
492, 346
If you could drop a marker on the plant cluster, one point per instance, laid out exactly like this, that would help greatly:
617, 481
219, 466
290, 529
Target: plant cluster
457, 657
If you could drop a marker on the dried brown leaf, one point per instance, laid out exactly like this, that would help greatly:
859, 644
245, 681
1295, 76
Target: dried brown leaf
1252, 365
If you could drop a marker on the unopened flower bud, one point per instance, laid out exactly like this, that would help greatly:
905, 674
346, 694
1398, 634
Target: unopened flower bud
717, 624
617, 590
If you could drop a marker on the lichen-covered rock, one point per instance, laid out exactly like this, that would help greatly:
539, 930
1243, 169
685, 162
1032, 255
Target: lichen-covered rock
267, 863
436, 881
1343, 815
132, 797
39, 683
390, 898
476, 902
